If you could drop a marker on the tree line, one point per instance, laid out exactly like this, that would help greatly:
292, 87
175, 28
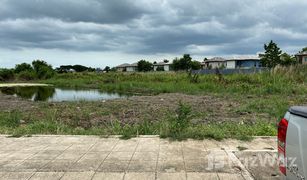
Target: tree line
40, 69
274, 56
184, 63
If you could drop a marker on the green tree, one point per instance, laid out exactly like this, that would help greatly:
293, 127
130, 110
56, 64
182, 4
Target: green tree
107, 69
6, 74
23, 67
195, 65
113, 69
144, 66
304, 49
271, 57
184, 63
42, 69
287, 60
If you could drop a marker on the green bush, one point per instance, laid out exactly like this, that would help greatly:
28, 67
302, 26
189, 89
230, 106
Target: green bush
27, 75
6, 74
23, 67
179, 123
10, 119
42, 69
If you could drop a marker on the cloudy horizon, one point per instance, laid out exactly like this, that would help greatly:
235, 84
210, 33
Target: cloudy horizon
98, 33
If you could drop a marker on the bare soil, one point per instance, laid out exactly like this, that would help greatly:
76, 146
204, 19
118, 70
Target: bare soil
206, 109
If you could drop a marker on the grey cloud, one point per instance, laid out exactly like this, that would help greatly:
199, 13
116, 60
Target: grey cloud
153, 26
100, 11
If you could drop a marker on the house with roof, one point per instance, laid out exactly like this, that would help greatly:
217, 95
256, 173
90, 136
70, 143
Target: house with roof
127, 67
243, 63
162, 66
213, 63
302, 57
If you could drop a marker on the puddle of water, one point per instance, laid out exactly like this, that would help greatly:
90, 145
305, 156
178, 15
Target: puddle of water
52, 94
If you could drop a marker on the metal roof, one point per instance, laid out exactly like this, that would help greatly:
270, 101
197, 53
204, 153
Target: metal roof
302, 53
127, 65
215, 59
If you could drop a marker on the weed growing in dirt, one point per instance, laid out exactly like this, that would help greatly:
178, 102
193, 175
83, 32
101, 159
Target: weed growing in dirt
180, 122
10, 119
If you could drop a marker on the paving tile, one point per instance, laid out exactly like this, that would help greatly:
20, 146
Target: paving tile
103, 146
147, 148
126, 145
261, 165
176, 155
196, 166
171, 176
101, 155
34, 147
113, 166
108, 176
211, 144
20, 155
145, 156
80, 147
86, 165
170, 166
32, 165
142, 166
58, 165
47, 176
17, 176
202, 176
261, 144
57, 147
232, 144
226, 176
5, 154
45, 155
198, 155
70, 155
78, 175
2, 174
139, 176
10, 165
193, 145
120, 156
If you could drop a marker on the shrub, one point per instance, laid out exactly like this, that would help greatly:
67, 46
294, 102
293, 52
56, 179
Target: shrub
42, 69
179, 123
27, 75
23, 67
10, 119
6, 74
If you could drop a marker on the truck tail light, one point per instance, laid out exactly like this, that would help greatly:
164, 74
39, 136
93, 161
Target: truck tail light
282, 133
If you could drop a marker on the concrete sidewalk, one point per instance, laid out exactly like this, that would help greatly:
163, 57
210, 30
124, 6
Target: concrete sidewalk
91, 157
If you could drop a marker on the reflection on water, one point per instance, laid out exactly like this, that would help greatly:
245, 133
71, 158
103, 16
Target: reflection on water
52, 94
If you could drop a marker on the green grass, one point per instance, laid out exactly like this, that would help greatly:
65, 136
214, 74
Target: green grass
176, 126
279, 81
164, 129
266, 96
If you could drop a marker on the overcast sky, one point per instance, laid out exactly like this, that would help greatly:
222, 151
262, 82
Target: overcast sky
109, 32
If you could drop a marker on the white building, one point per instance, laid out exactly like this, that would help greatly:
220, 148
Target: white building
132, 67
243, 63
127, 67
216, 62
162, 66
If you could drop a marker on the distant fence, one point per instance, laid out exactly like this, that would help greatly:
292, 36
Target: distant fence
229, 71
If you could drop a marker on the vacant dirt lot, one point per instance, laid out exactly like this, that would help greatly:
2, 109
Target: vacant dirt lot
206, 109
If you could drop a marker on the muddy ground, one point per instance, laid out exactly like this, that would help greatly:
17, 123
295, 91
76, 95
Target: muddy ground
205, 109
